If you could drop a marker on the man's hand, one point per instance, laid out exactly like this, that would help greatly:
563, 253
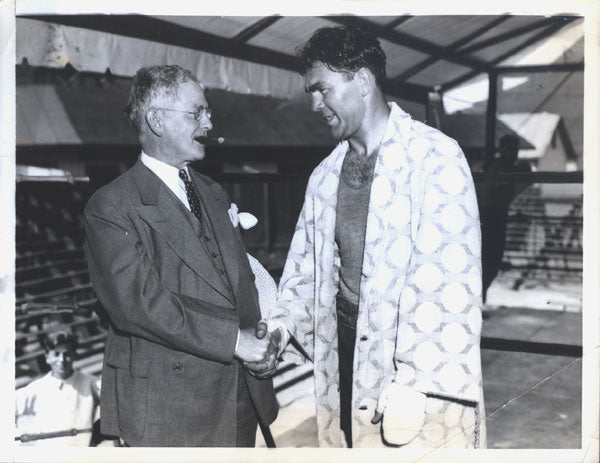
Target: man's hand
268, 366
261, 329
251, 348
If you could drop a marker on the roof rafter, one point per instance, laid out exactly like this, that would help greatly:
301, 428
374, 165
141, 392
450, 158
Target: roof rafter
255, 29
550, 30
399, 20
559, 67
162, 31
511, 34
453, 46
410, 41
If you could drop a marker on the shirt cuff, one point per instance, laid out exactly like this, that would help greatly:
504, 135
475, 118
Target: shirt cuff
237, 341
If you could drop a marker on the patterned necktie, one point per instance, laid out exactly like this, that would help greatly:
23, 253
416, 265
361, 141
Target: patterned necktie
192, 195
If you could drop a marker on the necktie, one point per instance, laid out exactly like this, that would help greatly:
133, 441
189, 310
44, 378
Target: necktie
192, 195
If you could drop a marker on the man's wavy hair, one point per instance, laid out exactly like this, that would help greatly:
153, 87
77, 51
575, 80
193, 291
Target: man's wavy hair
343, 49
151, 83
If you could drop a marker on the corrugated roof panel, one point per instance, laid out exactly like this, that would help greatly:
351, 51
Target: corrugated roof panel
491, 53
223, 26
288, 33
438, 73
565, 46
45, 118
443, 30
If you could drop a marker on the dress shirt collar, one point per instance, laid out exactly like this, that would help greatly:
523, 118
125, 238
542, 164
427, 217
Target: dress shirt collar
166, 172
169, 175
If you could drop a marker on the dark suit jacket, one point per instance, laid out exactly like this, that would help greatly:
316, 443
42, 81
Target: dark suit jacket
169, 377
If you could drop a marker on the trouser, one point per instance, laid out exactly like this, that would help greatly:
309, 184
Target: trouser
245, 414
347, 314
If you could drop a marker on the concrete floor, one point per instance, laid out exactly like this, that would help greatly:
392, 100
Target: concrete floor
532, 400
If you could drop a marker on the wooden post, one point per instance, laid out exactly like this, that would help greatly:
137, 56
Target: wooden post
490, 126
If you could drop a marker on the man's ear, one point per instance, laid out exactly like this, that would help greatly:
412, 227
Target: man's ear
154, 122
366, 81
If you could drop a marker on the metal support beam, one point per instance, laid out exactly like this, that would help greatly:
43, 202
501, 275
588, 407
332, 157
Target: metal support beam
563, 67
453, 46
531, 41
400, 20
490, 120
161, 31
508, 35
255, 29
529, 177
410, 41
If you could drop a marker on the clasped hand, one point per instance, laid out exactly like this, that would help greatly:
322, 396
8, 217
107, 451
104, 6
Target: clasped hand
258, 350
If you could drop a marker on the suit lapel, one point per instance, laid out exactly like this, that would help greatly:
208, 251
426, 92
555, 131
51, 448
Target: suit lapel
160, 211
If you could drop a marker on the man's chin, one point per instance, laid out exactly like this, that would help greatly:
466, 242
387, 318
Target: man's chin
200, 153
335, 133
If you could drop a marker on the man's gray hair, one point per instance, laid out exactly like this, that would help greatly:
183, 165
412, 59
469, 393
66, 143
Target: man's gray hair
151, 83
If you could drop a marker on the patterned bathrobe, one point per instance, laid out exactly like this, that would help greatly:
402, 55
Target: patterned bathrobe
419, 318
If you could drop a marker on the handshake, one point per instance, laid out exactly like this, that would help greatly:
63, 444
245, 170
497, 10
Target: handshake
259, 349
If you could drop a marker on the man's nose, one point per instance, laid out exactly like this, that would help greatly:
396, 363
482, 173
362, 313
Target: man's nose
316, 103
206, 123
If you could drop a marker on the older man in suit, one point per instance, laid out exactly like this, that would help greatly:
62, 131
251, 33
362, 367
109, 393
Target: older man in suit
171, 271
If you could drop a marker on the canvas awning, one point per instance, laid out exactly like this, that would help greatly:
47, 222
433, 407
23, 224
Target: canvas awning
256, 55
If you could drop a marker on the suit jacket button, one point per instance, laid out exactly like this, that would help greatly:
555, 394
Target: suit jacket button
221, 271
215, 255
177, 367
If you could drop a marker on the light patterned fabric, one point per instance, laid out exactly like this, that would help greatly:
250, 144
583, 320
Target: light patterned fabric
419, 318
265, 286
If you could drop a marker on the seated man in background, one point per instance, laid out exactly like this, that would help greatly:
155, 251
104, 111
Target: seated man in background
62, 400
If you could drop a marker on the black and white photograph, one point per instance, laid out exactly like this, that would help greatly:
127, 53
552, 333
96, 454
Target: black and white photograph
295, 232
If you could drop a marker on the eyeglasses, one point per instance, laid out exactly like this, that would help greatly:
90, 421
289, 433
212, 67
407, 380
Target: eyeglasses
201, 111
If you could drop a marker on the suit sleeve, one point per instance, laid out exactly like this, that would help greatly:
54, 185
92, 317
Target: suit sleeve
138, 303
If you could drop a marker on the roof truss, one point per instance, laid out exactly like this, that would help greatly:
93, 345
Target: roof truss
458, 52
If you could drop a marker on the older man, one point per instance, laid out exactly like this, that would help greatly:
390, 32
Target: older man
382, 284
171, 271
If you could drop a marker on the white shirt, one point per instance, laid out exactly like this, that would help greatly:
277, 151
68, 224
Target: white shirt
170, 177
50, 404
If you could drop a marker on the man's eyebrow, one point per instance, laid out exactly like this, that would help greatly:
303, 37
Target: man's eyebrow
313, 87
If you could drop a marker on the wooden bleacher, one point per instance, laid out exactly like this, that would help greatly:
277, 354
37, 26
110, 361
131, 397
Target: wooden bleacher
544, 237
50, 269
